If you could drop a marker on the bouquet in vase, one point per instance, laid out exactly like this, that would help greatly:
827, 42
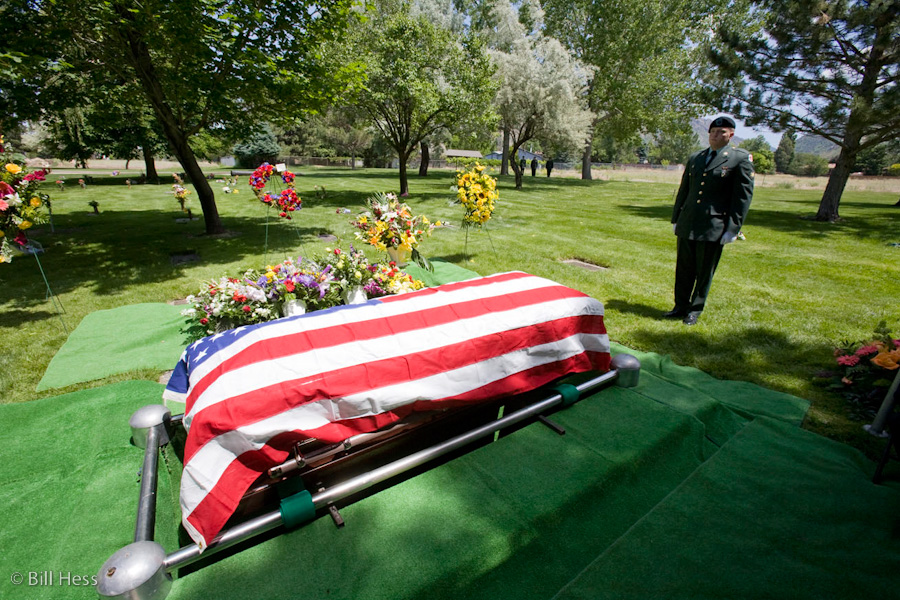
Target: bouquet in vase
389, 223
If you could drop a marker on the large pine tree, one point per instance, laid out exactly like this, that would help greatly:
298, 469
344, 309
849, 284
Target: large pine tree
824, 67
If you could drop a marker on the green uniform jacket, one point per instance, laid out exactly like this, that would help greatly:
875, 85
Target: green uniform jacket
714, 199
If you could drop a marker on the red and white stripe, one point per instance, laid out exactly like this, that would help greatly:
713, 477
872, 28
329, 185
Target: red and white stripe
336, 374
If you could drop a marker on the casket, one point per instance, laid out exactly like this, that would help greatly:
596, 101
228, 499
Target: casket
341, 400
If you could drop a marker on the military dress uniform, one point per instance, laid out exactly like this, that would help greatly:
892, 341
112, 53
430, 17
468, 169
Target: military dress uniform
710, 208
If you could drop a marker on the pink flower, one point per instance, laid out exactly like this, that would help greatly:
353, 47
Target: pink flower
864, 350
3, 205
246, 308
848, 361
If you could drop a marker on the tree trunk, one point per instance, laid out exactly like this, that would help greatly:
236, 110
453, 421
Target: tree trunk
426, 157
149, 165
138, 55
127, 162
404, 181
514, 152
586, 157
504, 162
831, 199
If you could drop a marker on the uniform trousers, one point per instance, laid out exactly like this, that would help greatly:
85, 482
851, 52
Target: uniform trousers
695, 265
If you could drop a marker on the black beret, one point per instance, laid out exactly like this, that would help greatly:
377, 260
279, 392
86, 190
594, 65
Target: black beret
722, 122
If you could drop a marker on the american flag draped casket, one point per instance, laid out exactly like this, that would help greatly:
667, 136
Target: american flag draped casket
253, 392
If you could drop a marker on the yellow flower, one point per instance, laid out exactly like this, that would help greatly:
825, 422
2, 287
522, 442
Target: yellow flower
2, 233
35, 202
13, 168
25, 224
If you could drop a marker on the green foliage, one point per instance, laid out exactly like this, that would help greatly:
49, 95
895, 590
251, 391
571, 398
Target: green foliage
421, 79
784, 154
763, 157
643, 53
808, 165
258, 147
675, 144
894, 170
873, 161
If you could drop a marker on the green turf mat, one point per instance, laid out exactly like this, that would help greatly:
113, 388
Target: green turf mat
741, 397
127, 338
778, 512
69, 487
444, 272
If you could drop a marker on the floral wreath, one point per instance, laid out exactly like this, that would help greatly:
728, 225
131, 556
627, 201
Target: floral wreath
287, 201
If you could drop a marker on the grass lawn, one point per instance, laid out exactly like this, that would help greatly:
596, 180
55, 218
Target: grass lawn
780, 302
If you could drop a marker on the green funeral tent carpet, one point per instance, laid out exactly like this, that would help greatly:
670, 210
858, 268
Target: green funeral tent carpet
119, 340
671, 489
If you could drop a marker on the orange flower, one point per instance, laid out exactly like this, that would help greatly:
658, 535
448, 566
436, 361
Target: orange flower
888, 360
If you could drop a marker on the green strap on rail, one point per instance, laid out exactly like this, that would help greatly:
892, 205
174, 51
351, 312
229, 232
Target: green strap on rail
297, 509
569, 393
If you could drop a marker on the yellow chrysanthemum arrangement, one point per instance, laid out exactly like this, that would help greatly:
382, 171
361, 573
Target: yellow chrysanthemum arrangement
477, 192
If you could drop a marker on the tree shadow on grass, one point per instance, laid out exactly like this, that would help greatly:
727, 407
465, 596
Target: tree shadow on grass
135, 248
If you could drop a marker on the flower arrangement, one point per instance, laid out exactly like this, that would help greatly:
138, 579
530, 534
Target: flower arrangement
259, 296
389, 223
477, 192
181, 195
866, 370
21, 206
287, 201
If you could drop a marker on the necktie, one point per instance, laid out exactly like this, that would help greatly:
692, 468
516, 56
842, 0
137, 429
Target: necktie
710, 156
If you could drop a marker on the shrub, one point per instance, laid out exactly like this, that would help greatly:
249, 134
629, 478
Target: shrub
808, 165
894, 170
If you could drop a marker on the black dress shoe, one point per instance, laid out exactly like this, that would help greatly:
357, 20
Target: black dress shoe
675, 313
691, 318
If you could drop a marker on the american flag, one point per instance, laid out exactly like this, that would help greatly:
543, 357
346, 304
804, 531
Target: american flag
253, 392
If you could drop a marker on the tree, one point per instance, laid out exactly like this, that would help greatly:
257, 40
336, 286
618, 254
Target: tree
421, 79
258, 147
541, 94
824, 67
675, 144
784, 154
227, 64
763, 157
642, 56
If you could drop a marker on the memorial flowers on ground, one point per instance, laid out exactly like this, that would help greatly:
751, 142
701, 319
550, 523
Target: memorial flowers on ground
477, 192
390, 225
22, 205
866, 370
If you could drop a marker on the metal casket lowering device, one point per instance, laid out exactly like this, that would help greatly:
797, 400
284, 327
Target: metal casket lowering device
142, 570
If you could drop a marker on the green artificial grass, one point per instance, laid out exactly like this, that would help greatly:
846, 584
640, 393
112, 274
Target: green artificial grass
780, 302
118, 340
531, 515
776, 513
69, 483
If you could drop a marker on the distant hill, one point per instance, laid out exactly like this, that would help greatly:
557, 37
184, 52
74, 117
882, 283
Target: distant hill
813, 144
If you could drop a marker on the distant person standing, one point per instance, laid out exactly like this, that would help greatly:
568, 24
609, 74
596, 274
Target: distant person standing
549, 166
522, 164
710, 207
534, 165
